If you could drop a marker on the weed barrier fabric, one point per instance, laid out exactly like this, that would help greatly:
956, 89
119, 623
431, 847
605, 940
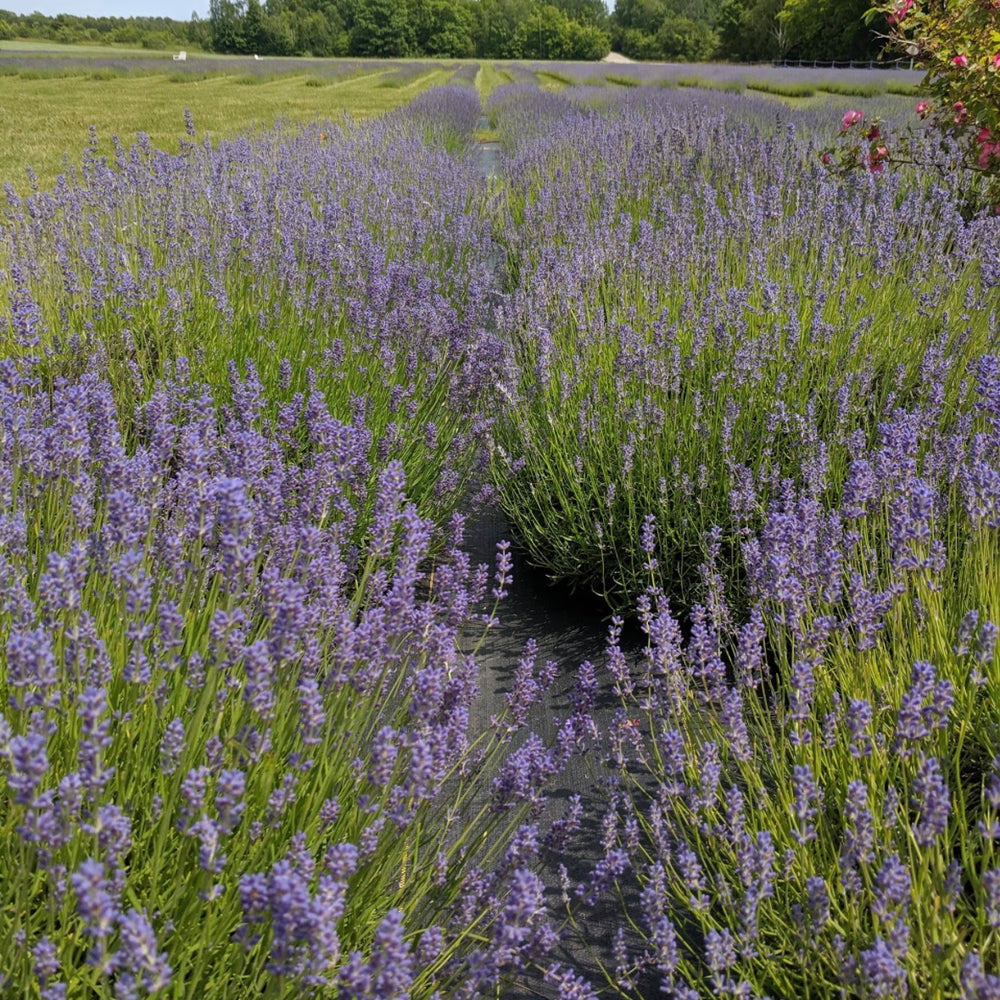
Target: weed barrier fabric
568, 629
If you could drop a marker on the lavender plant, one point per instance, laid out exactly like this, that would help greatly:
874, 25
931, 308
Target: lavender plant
683, 317
807, 802
342, 260
235, 746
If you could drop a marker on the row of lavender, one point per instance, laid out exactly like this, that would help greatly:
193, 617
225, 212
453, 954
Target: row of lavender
768, 400
241, 406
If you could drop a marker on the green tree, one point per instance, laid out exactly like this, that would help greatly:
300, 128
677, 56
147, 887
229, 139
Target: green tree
588, 42
6, 31
545, 34
226, 20
584, 12
497, 30
639, 15
749, 30
680, 39
255, 38
829, 30
381, 28
198, 33
450, 30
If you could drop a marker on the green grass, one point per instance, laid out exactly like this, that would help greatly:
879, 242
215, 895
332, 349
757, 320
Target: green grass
622, 81
44, 120
782, 89
904, 89
26, 47
554, 81
489, 77
851, 89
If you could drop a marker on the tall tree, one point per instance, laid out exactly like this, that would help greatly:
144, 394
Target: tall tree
381, 28
829, 29
584, 11
254, 33
226, 20
750, 31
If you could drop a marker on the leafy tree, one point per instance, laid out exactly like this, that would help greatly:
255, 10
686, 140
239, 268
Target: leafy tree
226, 20
452, 28
545, 34
254, 33
635, 44
749, 30
6, 31
199, 32
588, 41
829, 29
683, 40
497, 28
584, 12
639, 15
381, 28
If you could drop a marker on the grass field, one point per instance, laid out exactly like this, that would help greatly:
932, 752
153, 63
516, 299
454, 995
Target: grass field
52, 94
28, 47
44, 120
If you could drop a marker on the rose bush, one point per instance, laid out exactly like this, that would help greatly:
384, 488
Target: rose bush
958, 43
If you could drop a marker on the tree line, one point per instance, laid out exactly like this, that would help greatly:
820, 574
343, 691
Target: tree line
671, 30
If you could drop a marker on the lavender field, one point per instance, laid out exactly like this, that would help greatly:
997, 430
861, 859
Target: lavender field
256, 397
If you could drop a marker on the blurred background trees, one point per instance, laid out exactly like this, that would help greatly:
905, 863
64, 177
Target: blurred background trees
665, 30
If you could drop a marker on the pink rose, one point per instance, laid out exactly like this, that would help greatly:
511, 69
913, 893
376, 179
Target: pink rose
961, 111
923, 108
996, 61
984, 135
961, 61
851, 118
900, 12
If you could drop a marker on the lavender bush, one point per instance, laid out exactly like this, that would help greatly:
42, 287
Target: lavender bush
347, 261
235, 746
701, 307
808, 798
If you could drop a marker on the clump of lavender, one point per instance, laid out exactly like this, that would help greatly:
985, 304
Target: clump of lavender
694, 308
347, 263
812, 791
235, 751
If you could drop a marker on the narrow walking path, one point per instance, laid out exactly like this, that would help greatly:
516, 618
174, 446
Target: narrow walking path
567, 629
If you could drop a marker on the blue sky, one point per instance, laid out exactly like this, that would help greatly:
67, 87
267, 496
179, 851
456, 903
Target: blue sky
179, 9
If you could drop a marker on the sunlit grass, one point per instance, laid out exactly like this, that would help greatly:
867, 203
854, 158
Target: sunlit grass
44, 122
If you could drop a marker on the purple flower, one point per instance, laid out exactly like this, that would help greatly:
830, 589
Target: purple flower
931, 801
881, 972
892, 887
859, 828
807, 804
991, 894
923, 709
97, 899
45, 959
137, 960
720, 950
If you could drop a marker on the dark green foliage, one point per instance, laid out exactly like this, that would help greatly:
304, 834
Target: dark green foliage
749, 30
381, 28
829, 29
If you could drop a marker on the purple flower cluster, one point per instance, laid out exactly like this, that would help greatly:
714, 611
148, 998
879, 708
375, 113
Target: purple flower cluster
687, 354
